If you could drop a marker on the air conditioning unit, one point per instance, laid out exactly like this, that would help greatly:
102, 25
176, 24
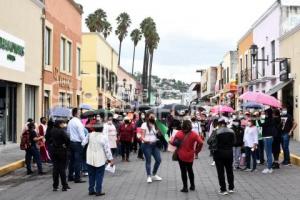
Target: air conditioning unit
292, 76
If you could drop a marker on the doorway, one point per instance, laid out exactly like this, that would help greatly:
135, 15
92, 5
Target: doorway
8, 99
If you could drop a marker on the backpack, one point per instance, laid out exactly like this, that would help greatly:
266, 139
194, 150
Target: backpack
25, 140
213, 141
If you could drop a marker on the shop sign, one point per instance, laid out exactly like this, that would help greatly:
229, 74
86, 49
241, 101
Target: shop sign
12, 52
284, 70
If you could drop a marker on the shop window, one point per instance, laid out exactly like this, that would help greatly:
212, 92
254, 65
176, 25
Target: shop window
30, 102
61, 99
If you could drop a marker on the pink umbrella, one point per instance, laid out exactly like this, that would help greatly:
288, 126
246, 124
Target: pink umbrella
259, 97
221, 109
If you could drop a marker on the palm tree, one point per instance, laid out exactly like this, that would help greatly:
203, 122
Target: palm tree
91, 22
106, 29
147, 26
152, 42
136, 36
101, 19
123, 21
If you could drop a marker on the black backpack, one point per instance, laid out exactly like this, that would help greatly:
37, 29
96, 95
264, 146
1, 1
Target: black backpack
213, 141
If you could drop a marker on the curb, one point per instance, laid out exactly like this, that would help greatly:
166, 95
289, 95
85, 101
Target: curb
12, 167
295, 160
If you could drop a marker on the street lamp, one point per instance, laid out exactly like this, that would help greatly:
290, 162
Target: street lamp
124, 82
254, 52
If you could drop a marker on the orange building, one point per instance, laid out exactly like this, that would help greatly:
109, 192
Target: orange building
62, 52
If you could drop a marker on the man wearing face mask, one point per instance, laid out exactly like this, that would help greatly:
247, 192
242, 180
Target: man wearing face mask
239, 135
126, 137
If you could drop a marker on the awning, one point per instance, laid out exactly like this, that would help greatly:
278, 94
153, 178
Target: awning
278, 87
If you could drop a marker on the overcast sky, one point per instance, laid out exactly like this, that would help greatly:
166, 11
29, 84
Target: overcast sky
194, 33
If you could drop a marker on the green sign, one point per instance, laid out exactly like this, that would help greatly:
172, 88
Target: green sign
11, 47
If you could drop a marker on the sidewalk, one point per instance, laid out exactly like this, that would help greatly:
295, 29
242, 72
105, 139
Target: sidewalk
295, 147
12, 158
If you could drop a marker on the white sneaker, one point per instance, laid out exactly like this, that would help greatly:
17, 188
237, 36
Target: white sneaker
223, 193
267, 171
85, 174
149, 179
230, 191
156, 178
213, 163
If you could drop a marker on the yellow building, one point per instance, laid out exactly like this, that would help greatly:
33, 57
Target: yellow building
289, 48
99, 72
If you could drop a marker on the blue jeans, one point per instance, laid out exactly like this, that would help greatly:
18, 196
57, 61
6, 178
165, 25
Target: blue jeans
285, 147
268, 148
151, 149
33, 152
75, 160
96, 175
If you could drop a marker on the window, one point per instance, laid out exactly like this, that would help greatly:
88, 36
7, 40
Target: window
273, 56
228, 75
102, 78
61, 99
69, 100
62, 54
78, 53
69, 56
47, 46
98, 76
241, 70
263, 63
106, 79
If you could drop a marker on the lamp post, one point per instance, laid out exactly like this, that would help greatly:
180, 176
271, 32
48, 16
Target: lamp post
254, 56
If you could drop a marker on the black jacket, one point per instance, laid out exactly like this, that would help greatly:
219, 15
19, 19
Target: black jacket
268, 127
60, 139
226, 139
239, 135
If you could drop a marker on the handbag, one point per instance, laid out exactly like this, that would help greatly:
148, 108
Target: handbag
175, 153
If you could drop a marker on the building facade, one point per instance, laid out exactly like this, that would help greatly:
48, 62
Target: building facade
130, 90
99, 72
208, 83
62, 54
289, 48
20, 65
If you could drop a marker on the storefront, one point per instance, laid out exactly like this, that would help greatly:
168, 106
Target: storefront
20, 66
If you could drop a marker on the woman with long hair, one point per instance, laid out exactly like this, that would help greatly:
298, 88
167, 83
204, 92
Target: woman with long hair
149, 146
186, 140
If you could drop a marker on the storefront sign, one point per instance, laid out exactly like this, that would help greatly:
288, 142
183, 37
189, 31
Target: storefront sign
284, 70
12, 52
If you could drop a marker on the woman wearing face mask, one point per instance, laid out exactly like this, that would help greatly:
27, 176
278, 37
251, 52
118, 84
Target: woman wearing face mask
60, 144
186, 140
110, 130
149, 146
126, 137
250, 143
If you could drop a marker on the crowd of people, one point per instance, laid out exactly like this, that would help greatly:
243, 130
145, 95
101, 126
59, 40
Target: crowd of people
84, 147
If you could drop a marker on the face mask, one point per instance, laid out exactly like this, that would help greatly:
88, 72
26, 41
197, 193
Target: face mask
263, 116
98, 118
235, 123
233, 116
143, 116
109, 122
284, 112
241, 116
249, 124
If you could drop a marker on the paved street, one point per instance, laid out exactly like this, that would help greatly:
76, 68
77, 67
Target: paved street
129, 184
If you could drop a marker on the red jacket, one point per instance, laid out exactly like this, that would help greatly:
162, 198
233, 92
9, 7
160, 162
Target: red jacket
187, 149
126, 134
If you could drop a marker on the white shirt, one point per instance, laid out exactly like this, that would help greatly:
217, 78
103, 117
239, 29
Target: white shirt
98, 151
110, 132
196, 127
76, 130
250, 136
150, 135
